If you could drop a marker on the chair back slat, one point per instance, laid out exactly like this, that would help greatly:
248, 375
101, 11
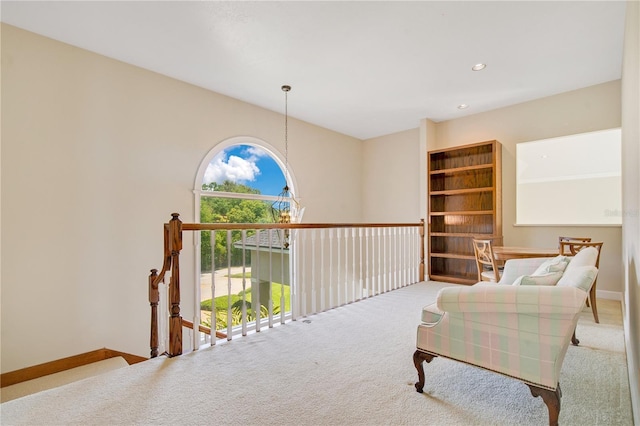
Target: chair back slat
571, 248
578, 239
485, 259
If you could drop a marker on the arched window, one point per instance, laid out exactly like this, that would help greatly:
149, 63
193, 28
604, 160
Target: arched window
239, 185
237, 182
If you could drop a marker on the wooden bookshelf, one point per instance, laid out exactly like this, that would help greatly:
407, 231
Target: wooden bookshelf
465, 201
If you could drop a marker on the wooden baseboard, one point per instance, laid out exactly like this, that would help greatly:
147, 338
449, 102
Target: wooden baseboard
29, 373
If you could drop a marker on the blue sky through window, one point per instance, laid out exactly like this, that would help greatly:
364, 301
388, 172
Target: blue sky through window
249, 165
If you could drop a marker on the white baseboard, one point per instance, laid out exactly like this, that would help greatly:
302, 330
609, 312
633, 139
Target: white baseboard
610, 295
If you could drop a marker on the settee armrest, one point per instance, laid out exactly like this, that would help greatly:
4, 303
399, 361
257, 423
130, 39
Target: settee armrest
514, 268
545, 300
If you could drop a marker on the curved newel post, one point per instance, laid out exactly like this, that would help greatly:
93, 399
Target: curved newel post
154, 298
421, 276
175, 320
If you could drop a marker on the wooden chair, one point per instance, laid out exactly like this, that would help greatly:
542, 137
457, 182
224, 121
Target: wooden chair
488, 269
570, 248
580, 239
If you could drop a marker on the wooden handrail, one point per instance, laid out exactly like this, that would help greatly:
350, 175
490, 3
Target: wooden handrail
225, 226
173, 246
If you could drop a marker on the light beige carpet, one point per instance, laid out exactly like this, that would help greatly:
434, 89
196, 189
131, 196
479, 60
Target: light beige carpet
348, 366
51, 381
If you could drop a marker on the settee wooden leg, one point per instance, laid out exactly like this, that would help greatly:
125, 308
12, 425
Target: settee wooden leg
574, 339
592, 298
551, 399
418, 357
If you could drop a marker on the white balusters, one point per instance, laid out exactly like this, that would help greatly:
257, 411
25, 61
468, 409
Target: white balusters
326, 267
353, 265
270, 300
323, 306
293, 290
282, 277
244, 283
195, 335
314, 295
346, 267
337, 284
229, 313
364, 273
255, 284
213, 288
331, 286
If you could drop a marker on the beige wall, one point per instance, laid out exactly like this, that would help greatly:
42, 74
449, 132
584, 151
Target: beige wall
631, 197
589, 109
96, 154
391, 170
580, 111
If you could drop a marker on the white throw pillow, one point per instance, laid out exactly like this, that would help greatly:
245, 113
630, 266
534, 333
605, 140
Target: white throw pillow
555, 264
581, 277
550, 279
585, 257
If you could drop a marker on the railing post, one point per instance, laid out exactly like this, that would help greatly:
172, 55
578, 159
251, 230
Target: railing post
421, 277
154, 298
175, 320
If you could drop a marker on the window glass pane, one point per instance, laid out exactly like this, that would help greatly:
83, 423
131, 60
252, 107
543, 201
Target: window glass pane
234, 210
244, 166
571, 180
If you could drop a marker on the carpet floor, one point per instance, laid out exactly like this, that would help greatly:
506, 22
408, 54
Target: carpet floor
348, 366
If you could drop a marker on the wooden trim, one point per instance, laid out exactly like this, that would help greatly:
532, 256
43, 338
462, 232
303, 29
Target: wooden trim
226, 226
460, 169
130, 358
40, 370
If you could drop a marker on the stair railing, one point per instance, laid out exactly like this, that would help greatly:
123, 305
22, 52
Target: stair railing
354, 262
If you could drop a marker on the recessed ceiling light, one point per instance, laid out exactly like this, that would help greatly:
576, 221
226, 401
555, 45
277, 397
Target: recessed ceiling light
463, 106
478, 67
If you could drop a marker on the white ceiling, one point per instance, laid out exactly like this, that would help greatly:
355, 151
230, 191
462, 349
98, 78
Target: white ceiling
364, 69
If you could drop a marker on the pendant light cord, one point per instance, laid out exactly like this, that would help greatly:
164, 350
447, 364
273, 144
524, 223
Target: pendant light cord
286, 90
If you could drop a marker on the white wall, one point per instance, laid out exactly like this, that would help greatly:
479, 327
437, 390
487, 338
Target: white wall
631, 197
96, 154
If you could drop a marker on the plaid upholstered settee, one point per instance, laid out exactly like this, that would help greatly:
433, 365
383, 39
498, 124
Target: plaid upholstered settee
520, 327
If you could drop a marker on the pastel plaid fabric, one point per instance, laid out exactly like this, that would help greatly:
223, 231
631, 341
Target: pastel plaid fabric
519, 331
431, 314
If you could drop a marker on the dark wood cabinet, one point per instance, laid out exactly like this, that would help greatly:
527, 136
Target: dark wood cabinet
465, 201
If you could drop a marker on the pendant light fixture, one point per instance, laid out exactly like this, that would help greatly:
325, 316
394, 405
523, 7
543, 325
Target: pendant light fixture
286, 209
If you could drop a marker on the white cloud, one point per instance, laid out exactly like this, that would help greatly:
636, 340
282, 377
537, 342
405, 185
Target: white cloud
235, 169
255, 152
